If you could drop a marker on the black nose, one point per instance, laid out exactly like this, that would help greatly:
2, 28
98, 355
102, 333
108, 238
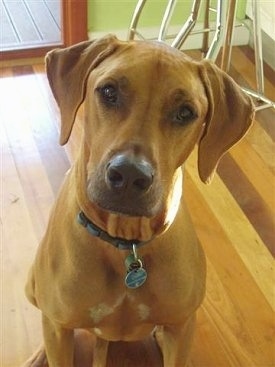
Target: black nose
130, 174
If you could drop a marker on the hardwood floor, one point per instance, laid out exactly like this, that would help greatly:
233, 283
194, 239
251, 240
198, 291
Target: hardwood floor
29, 24
234, 220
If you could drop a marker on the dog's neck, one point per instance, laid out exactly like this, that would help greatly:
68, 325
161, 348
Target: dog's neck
117, 242
138, 229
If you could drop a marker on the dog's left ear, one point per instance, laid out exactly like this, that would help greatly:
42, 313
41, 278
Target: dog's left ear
68, 70
230, 114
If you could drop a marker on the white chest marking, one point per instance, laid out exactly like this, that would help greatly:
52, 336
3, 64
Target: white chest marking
102, 310
143, 311
97, 331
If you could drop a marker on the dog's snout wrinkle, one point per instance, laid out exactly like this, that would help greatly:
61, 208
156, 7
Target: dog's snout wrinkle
131, 175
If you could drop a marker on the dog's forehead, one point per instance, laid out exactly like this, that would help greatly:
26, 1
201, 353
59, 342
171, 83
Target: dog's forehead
155, 49
154, 54
139, 62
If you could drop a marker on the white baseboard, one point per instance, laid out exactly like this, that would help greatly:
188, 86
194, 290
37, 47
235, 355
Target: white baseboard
268, 44
241, 35
266, 19
268, 49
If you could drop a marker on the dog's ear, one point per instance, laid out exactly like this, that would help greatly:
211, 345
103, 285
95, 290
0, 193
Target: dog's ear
230, 114
68, 70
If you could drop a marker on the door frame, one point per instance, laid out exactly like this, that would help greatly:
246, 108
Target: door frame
74, 21
74, 28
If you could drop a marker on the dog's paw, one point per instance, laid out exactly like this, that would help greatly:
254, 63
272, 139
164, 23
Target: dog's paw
38, 359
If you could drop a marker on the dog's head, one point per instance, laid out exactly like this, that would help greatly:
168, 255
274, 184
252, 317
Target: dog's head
146, 106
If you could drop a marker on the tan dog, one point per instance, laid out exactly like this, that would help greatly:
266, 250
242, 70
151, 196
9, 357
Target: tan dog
120, 257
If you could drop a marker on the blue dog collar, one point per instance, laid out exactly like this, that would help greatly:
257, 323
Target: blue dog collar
95, 231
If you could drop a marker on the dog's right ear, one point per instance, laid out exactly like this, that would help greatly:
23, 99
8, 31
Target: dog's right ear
68, 70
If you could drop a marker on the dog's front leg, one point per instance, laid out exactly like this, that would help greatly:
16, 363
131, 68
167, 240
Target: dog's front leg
59, 344
175, 342
100, 353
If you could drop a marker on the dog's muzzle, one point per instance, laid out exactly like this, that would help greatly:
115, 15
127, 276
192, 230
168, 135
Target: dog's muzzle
126, 184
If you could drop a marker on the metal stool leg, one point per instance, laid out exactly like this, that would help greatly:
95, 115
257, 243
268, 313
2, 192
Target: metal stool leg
135, 19
259, 94
217, 42
188, 25
206, 25
165, 20
257, 33
227, 47
218, 39
226, 56
223, 35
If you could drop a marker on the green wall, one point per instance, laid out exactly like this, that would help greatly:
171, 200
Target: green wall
114, 14
110, 15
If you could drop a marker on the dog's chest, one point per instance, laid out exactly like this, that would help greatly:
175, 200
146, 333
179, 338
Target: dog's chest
130, 314
95, 296
124, 303
126, 318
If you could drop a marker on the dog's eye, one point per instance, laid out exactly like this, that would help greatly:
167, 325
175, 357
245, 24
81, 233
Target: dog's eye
184, 114
109, 94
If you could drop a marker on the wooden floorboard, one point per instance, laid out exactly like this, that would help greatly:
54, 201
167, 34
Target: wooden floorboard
233, 217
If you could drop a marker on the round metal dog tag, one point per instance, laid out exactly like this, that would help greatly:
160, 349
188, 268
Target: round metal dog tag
135, 278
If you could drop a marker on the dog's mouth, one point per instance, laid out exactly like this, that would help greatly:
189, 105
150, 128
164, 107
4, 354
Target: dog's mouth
121, 204
126, 185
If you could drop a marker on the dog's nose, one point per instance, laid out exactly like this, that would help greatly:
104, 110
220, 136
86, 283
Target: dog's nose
130, 174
